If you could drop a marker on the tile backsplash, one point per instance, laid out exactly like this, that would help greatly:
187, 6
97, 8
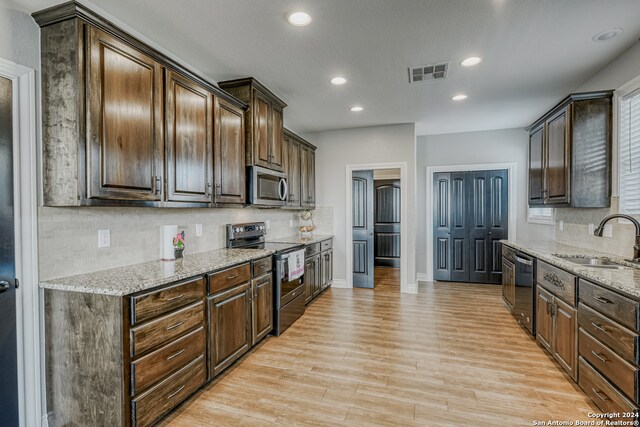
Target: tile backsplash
576, 230
68, 237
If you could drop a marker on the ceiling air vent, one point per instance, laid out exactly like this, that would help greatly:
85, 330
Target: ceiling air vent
427, 73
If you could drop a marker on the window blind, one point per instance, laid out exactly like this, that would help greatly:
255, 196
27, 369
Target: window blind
629, 153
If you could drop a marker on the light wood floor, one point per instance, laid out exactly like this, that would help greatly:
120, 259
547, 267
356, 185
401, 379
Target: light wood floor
450, 355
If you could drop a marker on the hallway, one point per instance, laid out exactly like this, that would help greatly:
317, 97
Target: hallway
378, 357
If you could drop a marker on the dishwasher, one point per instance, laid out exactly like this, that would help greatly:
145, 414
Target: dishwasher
525, 300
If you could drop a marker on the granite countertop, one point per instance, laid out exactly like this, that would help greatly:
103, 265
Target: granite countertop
626, 281
302, 240
139, 277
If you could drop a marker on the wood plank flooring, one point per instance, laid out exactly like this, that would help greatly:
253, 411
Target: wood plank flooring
450, 355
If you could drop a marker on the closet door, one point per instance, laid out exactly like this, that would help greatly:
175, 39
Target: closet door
442, 226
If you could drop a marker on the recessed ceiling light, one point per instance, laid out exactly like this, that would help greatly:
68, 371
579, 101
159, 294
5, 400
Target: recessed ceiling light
471, 61
299, 19
356, 109
460, 97
338, 81
605, 35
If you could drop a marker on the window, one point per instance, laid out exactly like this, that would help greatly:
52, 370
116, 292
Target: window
542, 216
629, 153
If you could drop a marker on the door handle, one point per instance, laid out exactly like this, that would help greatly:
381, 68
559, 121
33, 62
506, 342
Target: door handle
4, 286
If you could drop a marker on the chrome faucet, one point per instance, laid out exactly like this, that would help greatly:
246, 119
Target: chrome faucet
636, 248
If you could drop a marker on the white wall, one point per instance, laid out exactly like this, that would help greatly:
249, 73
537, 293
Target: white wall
496, 146
336, 150
621, 70
19, 38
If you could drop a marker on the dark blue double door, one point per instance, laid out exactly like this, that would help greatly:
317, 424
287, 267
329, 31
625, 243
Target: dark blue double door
470, 217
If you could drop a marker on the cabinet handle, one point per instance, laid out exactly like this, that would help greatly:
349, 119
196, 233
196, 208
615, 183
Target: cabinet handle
602, 300
209, 189
548, 308
173, 356
175, 298
157, 185
599, 356
601, 395
174, 326
178, 390
218, 190
599, 327
232, 277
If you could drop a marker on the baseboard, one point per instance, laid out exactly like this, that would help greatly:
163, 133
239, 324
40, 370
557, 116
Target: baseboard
339, 283
422, 277
45, 420
412, 288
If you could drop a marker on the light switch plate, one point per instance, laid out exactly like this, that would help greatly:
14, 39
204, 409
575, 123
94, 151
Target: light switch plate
561, 225
198, 230
104, 238
608, 231
591, 229
290, 223
268, 224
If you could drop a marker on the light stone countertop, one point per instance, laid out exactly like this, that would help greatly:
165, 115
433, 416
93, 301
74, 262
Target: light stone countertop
625, 281
139, 277
315, 238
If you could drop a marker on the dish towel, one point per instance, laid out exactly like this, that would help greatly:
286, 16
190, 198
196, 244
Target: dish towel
296, 264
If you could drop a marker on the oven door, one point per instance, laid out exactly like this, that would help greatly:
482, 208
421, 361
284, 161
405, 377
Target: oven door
267, 187
288, 289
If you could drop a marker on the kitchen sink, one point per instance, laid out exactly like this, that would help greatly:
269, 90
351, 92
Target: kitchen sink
593, 262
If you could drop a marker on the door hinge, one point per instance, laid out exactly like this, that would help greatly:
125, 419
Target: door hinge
17, 283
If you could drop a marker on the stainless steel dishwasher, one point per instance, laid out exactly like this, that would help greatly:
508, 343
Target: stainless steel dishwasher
525, 304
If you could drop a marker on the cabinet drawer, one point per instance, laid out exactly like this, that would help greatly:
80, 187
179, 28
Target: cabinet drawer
558, 282
229, 278
326, 245
153, 367
605, 396
153, 304
157, 332
620, 339
311, 250
622, 374
509, 253
149, 407
261, 266
621, 309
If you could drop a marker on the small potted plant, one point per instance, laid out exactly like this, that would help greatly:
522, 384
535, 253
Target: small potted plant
178, 245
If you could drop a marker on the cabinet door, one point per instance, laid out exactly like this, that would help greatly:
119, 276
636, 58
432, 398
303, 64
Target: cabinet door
307, 177
189, 127
293, 173
229, 327
557, 159
229, 154
124, 121
311, 170
536, 166
508, 282
326, 262
262, 312
565, 336
277, 161
261, 133
309, 278
317, 284
544, 319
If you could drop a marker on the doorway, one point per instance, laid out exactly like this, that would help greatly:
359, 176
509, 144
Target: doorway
470, 217
376, 226
9, 409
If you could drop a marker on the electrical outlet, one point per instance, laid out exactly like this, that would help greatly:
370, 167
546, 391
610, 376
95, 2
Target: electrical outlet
290, 223
561, 225
268, 224
198, 230
104, 238
608, 230
591, 229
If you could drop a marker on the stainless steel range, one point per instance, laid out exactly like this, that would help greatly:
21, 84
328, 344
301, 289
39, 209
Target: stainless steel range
288, 294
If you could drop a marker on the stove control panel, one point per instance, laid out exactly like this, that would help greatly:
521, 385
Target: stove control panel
236, 232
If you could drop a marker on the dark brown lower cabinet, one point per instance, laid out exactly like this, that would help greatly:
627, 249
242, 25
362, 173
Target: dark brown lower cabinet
508, 283
229, 327
557, 329
262, 306
326, 269
311, 277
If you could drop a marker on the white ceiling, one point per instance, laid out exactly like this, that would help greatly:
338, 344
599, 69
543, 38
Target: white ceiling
534, 53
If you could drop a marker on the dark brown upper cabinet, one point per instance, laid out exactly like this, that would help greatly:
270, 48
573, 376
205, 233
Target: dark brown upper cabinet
229, 155
124, 121
113, 132
263, 122
189, 127
308, 176
570, 153
300, 168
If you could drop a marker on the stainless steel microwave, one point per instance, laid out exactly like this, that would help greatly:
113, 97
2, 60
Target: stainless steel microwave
267, 187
